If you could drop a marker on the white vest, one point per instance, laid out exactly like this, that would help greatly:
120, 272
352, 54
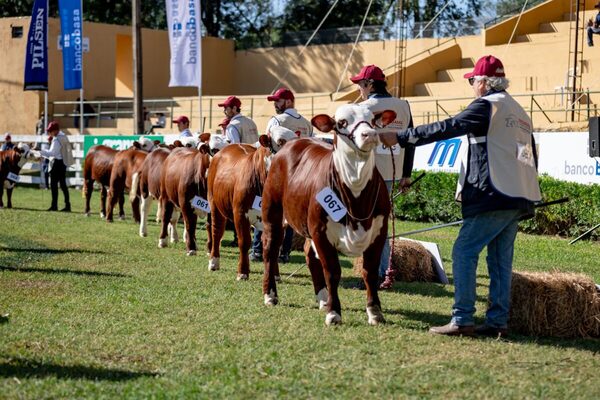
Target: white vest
296, 123
245, 127
383, 161
509, 140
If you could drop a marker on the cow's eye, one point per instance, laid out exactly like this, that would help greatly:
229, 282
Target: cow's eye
342, 124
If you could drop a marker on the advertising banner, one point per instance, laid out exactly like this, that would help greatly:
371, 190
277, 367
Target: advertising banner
71, 27
36, 52
116, 142
183, 20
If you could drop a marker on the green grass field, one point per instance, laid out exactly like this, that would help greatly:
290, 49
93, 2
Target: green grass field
98, 312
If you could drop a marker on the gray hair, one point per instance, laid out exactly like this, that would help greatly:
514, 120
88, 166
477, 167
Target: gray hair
495, 83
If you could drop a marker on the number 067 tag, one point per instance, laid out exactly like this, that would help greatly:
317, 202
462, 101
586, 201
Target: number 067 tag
331, 204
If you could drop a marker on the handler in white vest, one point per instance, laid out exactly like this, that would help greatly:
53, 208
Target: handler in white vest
497, 187
240, 129
373, 90
286, 115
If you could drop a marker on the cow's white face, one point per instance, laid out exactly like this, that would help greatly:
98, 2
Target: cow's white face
354, 129
146, 144
280, 136
216, 142
25, 154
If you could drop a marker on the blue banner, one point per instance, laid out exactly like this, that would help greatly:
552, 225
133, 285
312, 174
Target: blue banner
71, 32
36, 53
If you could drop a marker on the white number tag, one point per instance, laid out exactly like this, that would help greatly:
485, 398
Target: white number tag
383, 149
257, 205
331, 204
12, 177
200, 203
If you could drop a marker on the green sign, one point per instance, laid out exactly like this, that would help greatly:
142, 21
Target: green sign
117, 142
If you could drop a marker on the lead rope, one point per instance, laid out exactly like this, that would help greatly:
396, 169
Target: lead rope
391, 271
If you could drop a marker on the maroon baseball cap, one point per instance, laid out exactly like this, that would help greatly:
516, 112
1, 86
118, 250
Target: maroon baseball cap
182, 119
487, 66
52, 126
281, 93
369, 72
224, 123
230, 102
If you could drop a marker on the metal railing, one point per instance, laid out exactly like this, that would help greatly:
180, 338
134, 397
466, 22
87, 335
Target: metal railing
543, 108
512, 13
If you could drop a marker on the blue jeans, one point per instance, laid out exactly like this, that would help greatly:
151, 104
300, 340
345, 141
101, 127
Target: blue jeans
497, 230
385, 253
286, 246
590, 34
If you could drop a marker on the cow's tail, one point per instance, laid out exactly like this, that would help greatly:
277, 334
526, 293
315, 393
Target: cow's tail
135, 183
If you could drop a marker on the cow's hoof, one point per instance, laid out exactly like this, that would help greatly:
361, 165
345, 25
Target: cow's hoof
214, 264
271, 299
102, 215
121, 218
242, 277
277, 278
375, 315
191, 253
333, 318
143, 234
174, 240
162, 243
87, 214
322, 298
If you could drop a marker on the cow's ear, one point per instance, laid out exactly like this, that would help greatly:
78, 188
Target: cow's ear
323, 122
171, 146
265, 141
384, 118
204, 149
157, 142
137, 145
177, 143
204, 137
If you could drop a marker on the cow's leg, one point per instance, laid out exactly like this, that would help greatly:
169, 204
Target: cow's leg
167, 212
9, 197
272, 215
135, 208
242, 228
370, 274
158, 212
316, 272
122, 206
173, 235
1, 193
103, 195
115, 192
208, 234
190, 220
218, 229
88, 188
145, 204
332, 272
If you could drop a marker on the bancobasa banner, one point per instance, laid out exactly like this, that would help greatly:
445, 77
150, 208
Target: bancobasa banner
183, 19
36, 53
71, 31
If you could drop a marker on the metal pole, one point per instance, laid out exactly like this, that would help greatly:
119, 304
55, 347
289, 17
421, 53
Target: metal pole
138, 90
45, 110
584, 234
575, 60
81, 107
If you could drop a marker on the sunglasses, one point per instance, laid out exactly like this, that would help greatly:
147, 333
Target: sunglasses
471, 81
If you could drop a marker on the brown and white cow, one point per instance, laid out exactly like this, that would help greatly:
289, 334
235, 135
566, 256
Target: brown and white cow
333, 195
235, 182
97, 167
125, 174
11, 162
183, 179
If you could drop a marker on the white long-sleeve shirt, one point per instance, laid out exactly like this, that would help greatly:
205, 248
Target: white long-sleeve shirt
54, 151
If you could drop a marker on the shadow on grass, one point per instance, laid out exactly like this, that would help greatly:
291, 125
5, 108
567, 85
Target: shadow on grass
53, 251
63, 271
24, 368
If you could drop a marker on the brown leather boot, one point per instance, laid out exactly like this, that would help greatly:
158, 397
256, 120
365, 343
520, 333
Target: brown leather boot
451, 329
486, 330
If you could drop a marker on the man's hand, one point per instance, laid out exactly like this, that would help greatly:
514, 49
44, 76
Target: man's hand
404, 184
388, 138
35, 153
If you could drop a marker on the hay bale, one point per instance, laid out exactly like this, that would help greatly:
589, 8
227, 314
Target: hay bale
413, 262
554, 304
